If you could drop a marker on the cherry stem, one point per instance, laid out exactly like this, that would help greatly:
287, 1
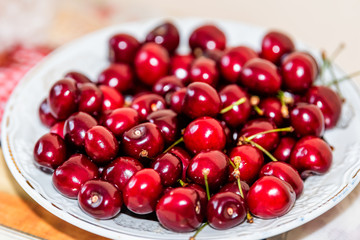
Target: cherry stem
232, 164
198, 230
230, 107
287, 129
174, 144
261, 149
354, 74
182, 183
254, 101
205, 172
258, 110
249, 218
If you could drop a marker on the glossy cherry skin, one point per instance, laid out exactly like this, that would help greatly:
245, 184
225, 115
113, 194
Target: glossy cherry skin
238, 115
203, 134
207, 37
285, 172
120, 120
166, 120
143, 191
100, 199
50, 152
298, 70
167, 84
184, 157
202, 194
73, 173
260, 76
283, 150
180, 210
233, 61
234, 188
201, 99
311, 155
204, 70
62, 98
307, 119
118, 76
215, 162
120, 170
143, 140
251, 161
270, 197
225, 210
123, 48
151, 63
75, 128
328, 101
148, 103
166, 35
100, 144
180, 66
112, 99
78, 77
58, 128
269, 140
271, 107
169, 168
90, 99
45, 115
177, 99
275, 45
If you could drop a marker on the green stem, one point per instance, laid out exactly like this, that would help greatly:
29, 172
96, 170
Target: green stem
261, 149
258, 110
354, 74
182, 183
174, 144
230, 107
199, 230
287, 129
205, 173
232, 164
240, 188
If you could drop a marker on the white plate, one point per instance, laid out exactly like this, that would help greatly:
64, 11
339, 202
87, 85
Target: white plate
21, 128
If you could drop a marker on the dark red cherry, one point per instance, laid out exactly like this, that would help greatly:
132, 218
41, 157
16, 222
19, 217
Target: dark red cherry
167, 84
148, 103
213, 163
275, 45
119, 171
225, 210
260, 76
207, 37
143, 191
123, 48
58, 128
112, 99
233, 61
180, 210
285, 172
120, 120
180, 66
328, 101
143, 140
311, 155
204, 70
298, 70
166, 120
76, 126
271, 107
166, 35
251, 161
202, 194
169, 168
100, 144
151, 63
62, 98
49, 152
45, 115
118, 76
73, 173
203, 134
78, 77
270, 197
184, 157
307, 119
177, 99
283, 150
201, 99
90, 99
238, 115
100, 199
234, 188
269, 140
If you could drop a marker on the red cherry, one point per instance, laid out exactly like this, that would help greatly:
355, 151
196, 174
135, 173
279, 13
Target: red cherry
177, 99
142, 191
203, 134
119, 171
151, 63
49, 152
184, 157
90, 99
123, 48
283, 150
207, 37
112, 99
169, 168
234, 188
307, 119
271, 107
120, 120
204, 70
270, 197
165, 35
180, 210
260, 76
72, 174
201, 100
166, 120
275, 45
311, 155
78, 77
58, 128
100, 199
45, 115
118, 76
180, 67
148, 103
167, 84
233, 61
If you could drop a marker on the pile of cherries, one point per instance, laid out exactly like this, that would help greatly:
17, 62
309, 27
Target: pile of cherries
214, 136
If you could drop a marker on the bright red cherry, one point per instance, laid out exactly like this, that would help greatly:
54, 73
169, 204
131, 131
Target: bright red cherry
165, 35
272, 109
143, 191
120, 120
204, 70
90, 99
148, 103
78, 77
112, 99
307, 119
45, 115
123, 48
283, 150
177, 99
207, 37
166, 120
118, 76
166, 85
275, 45
169, 168
184, 157
58, 128
180, 66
